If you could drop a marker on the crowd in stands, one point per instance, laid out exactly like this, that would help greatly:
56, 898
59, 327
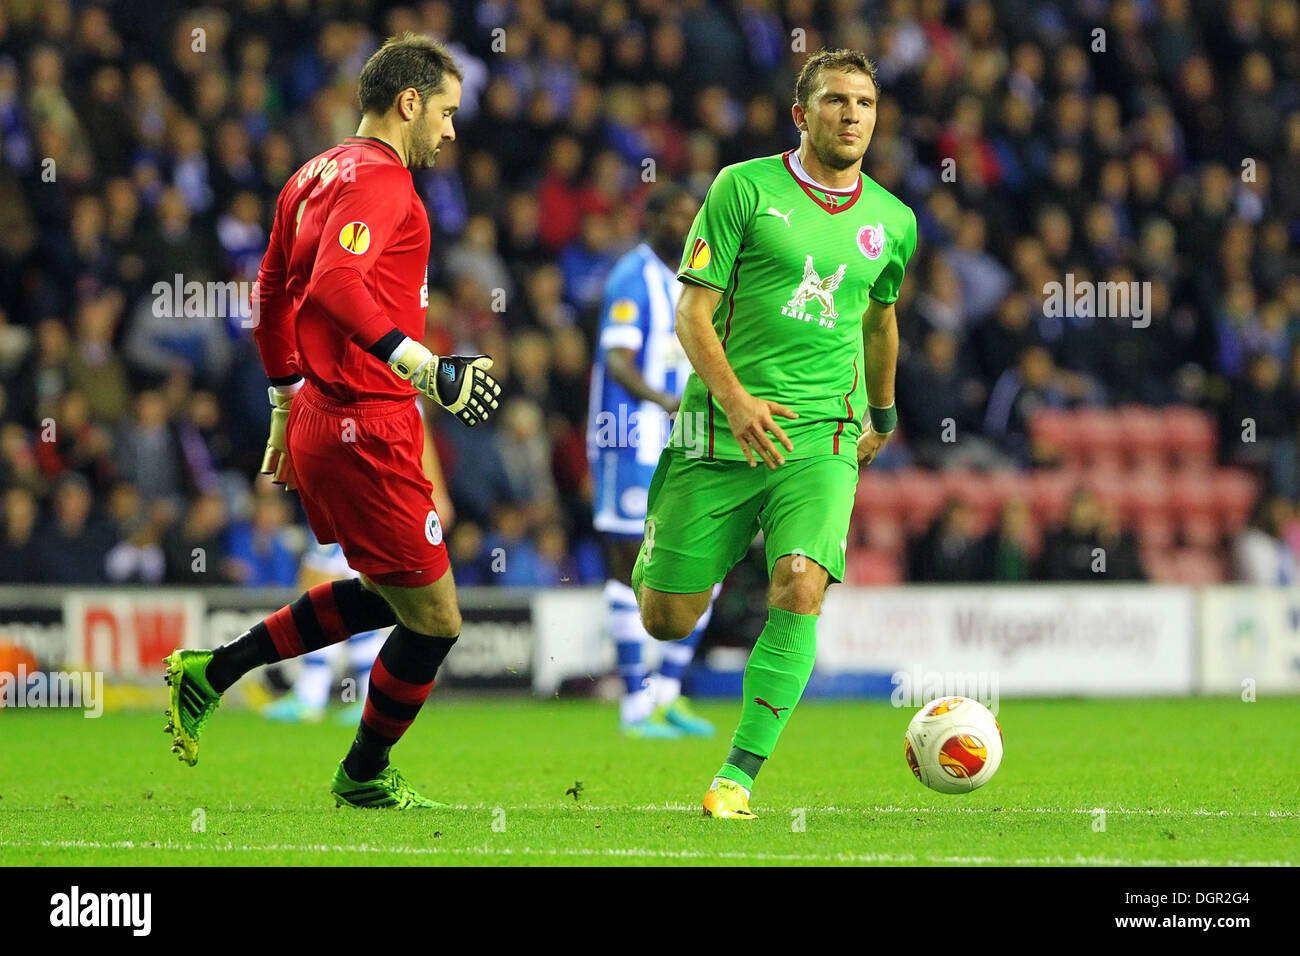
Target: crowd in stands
1039, 141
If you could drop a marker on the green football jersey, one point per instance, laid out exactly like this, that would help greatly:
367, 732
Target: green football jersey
796, 266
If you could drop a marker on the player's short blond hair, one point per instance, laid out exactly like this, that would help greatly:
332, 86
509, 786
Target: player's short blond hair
846, 61
406, 61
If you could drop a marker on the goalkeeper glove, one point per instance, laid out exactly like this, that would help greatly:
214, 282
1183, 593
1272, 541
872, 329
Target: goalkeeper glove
459, 383
276, 460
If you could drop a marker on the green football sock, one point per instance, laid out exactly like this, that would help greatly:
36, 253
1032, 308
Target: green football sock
777, 672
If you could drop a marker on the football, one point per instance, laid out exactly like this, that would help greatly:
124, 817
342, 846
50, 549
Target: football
953, 745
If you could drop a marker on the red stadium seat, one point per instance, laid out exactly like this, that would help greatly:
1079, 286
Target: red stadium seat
1142, 437
877, 491
867, 566
1190, 434
1051, 432
1107, 484
1006, 484
976, 489
1145, 494
1155, 532
1097, 433
884, 533
920, 498
1201, 531
1191, 493
1197, 566
1049, 493
1235, 493
1160, 565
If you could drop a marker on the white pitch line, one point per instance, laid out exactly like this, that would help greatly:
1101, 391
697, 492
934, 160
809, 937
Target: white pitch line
637, 852
864, 811
695, 808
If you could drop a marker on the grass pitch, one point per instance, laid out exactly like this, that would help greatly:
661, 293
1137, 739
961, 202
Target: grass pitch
1182, 781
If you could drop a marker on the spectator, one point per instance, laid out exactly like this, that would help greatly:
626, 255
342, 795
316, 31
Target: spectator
1019, 392
93, 358
74, 546
20, 552
468, 554
940, 400
195, 549
1260, 555
951, 550
261, 548
1125, 168
1119, 545
147, 454
1071, 553
516, 561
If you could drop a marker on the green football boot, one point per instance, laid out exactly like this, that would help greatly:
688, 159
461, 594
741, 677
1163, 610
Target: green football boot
387, 791
190, 701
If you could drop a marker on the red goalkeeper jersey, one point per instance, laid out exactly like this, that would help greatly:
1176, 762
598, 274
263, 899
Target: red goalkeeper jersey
347, 263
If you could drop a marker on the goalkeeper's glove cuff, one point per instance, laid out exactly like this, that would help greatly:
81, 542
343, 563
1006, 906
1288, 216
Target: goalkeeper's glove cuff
409, 359
459, 383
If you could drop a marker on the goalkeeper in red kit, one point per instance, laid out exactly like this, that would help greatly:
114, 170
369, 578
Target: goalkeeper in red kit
341, 299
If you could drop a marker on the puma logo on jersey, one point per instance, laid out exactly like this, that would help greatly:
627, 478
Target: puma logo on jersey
814, 287
773, 211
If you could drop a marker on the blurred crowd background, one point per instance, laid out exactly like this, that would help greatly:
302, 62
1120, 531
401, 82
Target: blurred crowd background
130, 153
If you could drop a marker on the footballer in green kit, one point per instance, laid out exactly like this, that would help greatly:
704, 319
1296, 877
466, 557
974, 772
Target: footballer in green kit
790, 275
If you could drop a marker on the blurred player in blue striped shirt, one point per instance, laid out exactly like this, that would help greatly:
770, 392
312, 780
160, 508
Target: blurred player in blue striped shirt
636, 385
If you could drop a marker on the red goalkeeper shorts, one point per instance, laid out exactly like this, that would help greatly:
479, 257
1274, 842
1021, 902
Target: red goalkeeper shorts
360, 476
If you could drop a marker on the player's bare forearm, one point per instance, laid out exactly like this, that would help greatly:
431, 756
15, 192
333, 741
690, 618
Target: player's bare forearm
880, 353
701, 344
621, 364
749, 417
880, 361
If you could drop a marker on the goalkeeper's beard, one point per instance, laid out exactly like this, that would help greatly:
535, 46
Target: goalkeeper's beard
422, 151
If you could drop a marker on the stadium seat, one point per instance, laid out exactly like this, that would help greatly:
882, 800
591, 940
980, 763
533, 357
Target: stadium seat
1145, 494
1160, 565
877, 491
1006, 484
1191, 492
1190, 434
868, 566
1201, 530
920, 498
1051, 431
976, 489
1106, 483
1197, 566
1155, 532
884, 533
1235, 492
1097, 435
1142, 437
1049, 493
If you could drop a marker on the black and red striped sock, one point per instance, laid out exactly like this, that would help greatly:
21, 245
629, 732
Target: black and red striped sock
324, 615
399, 683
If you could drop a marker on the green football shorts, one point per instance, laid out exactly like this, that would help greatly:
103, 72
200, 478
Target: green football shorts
702, 515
